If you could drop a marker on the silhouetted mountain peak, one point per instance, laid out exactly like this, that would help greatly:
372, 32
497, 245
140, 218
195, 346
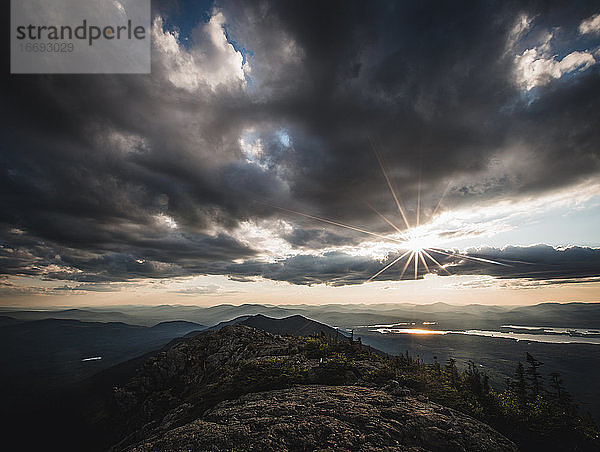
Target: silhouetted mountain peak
295, 324
178, 323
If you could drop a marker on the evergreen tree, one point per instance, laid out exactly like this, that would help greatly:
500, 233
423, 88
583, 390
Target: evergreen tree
557, 389
437, 369
560, 396
452, 373
519, 386
533, 376
475, 381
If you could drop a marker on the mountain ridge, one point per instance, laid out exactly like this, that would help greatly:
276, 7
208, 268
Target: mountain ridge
262, 383
295, 324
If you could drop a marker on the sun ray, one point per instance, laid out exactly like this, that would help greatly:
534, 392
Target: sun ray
386, 267
441, 198
424, 262
335, 223
389, 184
480, 259
435, 261
384, 218
407, 264
419, 200
416, 264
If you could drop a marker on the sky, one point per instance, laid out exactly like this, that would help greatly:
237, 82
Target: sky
288, 152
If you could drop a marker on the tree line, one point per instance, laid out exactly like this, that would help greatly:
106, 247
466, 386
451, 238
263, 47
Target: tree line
534, 410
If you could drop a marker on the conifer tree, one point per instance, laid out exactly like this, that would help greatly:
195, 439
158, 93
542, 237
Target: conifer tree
534, 376
452, 372
519, 386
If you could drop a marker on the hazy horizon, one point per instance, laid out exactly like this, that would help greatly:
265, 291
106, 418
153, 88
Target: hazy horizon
282, 305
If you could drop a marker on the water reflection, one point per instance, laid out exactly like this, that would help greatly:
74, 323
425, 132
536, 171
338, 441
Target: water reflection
554, 335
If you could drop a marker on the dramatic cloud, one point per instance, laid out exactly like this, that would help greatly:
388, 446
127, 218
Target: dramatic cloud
590, 25
257, 110
535, 69
538, 262
212, 60
539, 65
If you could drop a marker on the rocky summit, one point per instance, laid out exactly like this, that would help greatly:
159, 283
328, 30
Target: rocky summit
341, 418
240, 388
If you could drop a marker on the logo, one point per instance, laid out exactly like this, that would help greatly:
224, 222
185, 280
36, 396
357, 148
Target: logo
80, 36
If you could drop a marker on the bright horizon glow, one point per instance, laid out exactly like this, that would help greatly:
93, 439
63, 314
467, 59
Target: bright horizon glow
409, 331
214, 290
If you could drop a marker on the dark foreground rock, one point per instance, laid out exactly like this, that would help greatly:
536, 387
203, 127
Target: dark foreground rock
329, 418
243, 389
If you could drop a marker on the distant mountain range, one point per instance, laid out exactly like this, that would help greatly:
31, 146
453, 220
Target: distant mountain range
573, 315
42, 355
84, 315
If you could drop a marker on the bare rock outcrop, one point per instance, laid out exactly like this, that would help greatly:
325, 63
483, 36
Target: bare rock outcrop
341, 418
242, 389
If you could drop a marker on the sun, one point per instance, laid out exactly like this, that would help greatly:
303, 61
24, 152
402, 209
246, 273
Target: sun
417, 243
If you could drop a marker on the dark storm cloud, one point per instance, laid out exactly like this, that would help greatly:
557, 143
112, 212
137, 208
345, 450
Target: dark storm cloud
333, 268
538, 262
433, 86
316, 238
162, 256
532, 263
96, 170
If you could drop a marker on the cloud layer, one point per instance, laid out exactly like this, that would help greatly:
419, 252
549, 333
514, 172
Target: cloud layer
260, 105
537, 262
